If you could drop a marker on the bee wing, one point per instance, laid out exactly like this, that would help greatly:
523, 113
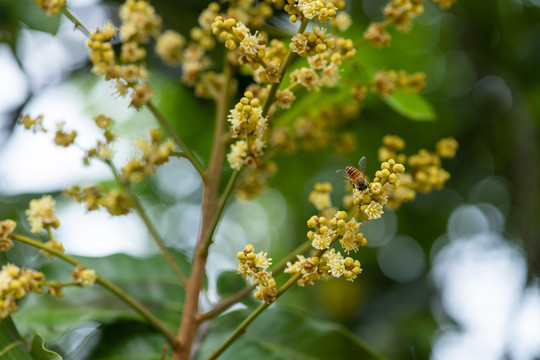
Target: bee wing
362, 163
343, 174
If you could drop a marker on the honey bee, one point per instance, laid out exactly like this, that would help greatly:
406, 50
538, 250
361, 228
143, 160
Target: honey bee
356, 176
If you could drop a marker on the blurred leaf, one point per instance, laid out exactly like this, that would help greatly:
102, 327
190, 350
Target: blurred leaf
412, 106
281, 333
128, 340
229, 283
149, 280
12, 346
30, 14
39, 352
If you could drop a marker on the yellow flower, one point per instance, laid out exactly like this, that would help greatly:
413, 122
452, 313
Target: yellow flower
41, 213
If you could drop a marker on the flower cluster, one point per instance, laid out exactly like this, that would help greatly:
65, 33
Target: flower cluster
155, 152
425, 174
317, 131
115, 201
84, 277
51, 7
387, 82
34, 124
15, 283
6, 228
400, 14
103, 149
320, 196
248, 125
254, 268
321, 10
41, 214
139, 23
325, 54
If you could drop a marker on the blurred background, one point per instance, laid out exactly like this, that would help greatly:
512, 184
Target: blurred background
452, 275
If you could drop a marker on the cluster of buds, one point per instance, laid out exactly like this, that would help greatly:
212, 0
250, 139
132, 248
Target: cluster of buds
426, 172
115, 201
6, 228
253, 268
102, 150
320, 196
401, 12
252, 47
15, 283
63, 138
324, 235
325, 53
390, 171
392, 144
248, 125
321, 10
84, 277
316, 131
51, 7
155, 152
41, 214
30, 123
387, 82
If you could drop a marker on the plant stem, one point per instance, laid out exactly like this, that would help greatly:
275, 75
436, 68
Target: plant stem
172, 133
228, 190
286, 63
122, 295
76, 22
209, 209
149, 225
233, 299
242, 327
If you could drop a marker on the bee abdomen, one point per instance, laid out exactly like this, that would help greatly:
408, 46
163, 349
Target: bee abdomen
353, 172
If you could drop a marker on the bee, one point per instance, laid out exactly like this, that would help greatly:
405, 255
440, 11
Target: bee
356, 176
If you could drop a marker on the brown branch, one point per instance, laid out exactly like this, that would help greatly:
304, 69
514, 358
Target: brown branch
210, 207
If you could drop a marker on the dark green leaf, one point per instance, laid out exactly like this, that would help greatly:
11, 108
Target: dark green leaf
12, 346
281, 333
148, 280
412, 106
39, 352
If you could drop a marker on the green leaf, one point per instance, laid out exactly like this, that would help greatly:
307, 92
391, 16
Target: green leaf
148, 280
282, 333
128, 340
39, 352
12, 346
412, 106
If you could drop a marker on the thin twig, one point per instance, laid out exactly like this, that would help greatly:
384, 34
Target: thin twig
150, 226
286, 63
172, 133
233, 299
76, 22
121, 294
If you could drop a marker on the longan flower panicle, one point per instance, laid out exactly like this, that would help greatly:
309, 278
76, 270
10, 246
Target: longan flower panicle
16, 283
63, 138
41, 214
249, 126
253, 268
6, 228
114, 201
30, 123
51, 7
425, 171
84, 277
387, 82
320, 196
153, 152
